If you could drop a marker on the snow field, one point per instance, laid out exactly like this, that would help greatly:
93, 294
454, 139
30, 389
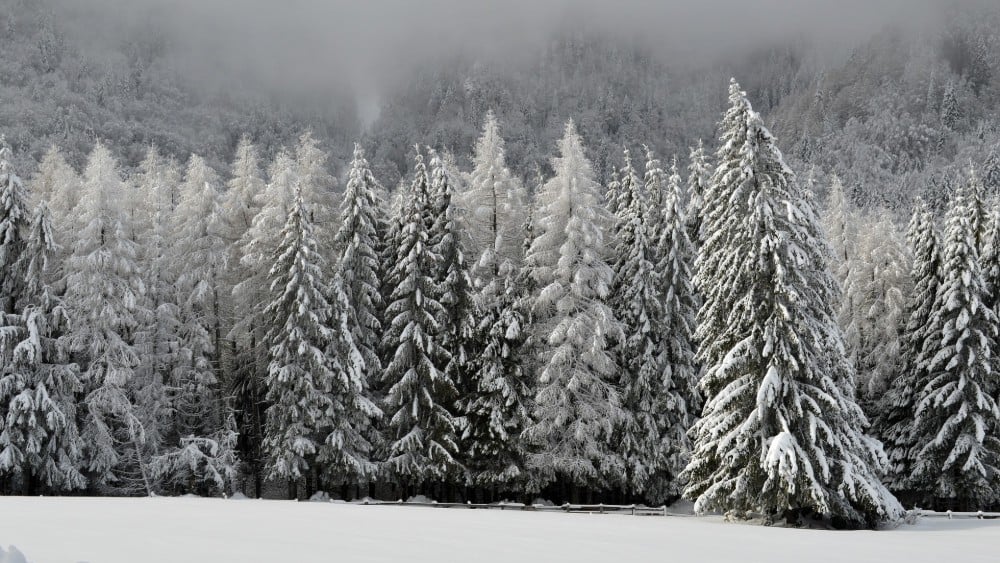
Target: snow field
193, 530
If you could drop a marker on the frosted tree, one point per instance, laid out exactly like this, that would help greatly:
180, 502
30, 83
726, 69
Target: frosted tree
156, 337
58, 185
990, 255
780, 435
699, 175
300, 375
957, 451
635, 302
103, 298
840, 223
876, 287
242, 201
14, 220
991, 172
678, 402
577, 406
495, 206
893, 423
422, 427
40, 444
317, 187
198, 253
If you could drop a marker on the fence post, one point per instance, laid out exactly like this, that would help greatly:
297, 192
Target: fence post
600, 507
664, 510
633, 509
949, 515
980, 515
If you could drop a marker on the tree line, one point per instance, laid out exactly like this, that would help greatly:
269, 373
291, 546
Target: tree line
469, 337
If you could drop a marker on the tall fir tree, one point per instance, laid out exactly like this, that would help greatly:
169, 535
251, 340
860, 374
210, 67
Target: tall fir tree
14, 220
956, 458
422, 428
699, 175
781, 435
894, 422
40, 445
577, 406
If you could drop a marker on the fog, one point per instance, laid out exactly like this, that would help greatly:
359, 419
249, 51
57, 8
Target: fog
317, 45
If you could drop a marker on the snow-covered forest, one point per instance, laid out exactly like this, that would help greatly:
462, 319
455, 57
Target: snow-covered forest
596, 278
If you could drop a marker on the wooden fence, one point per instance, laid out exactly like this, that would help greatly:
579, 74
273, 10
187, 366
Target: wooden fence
630, 509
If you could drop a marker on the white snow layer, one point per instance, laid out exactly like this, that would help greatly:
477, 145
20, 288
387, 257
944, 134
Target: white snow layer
193, 530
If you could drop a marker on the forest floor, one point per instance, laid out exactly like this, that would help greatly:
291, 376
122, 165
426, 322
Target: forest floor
193, 530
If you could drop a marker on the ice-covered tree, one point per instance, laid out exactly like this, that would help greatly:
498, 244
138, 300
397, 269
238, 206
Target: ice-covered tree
780, 435
893, 423
104, 295
40, 444
58, 185
198, 253
317, 187
494, 205
957, 451
991, 172
422, 427
699, 175
577, 405
242, 201
876, 289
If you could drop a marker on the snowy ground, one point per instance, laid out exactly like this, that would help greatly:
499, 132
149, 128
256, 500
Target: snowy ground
102, 530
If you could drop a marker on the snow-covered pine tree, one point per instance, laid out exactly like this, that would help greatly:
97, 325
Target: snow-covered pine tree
635, 302
781, 435
301, 376
422, 429
679, 398
577, 405
991, 172
990, 255
104, 295
453, 284
840, 223
699, 175
358, 300
317, 187
956, 460
894, 422
15, 218
40, 444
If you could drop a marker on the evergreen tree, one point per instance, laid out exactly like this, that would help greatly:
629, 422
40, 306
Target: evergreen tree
103, 299
39, 440
781, 435
991, 173
58, 185
577, 406
635, 301
242, 201
679, 400
957, 452
699, 175
894, 422
300, 376
14, 221
422, 428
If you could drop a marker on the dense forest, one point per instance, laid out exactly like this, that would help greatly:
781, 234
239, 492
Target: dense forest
570, 280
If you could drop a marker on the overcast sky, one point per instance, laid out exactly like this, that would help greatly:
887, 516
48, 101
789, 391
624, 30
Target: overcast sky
315, 43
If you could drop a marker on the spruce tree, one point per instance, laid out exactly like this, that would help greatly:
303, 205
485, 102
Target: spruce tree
699, 174
577, 406
300, 376
635, 301
956, 459
14, 221
781, 435
40, 445
894, 422
679, 402
422, 429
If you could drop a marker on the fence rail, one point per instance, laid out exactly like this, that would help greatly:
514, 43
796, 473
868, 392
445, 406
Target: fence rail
630, 509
